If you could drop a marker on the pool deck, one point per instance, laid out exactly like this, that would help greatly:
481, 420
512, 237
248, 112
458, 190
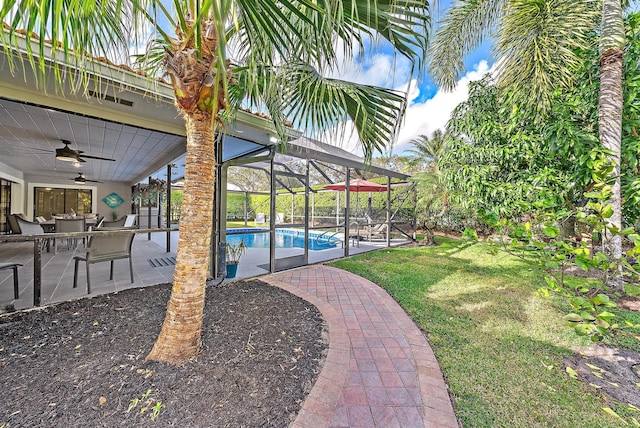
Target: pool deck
256, 260
57, 269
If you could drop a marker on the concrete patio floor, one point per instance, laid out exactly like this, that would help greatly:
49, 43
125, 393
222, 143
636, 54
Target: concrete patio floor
151, 265
57, 272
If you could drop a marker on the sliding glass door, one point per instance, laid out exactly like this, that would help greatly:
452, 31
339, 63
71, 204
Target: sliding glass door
52, 201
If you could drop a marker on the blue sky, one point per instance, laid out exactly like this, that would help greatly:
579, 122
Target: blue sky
429, 108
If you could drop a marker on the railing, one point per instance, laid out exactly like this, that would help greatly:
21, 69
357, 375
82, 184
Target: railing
329, 239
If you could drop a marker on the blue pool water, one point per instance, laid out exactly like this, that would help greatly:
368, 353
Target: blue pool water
285, 238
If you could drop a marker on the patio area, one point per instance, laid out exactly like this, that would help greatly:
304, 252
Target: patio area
57, 272
152, 265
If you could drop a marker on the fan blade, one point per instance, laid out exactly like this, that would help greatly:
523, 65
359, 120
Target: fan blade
80, 156
67, 153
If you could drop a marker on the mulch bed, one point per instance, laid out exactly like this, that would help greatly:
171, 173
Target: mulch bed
612, 371
82, 363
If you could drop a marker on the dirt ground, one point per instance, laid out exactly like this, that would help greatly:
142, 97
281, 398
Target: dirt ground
612, 371
82, 363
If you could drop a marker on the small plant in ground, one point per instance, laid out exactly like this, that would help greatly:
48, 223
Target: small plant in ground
155, 410
470, 234
133, 404
147, 403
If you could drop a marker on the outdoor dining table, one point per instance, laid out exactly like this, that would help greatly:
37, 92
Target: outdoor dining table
49, 226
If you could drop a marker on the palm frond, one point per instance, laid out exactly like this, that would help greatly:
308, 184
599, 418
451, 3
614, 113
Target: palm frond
257, 88
538, 45
427, 150
67, 30
308, 30
403, 23
315, 102
464, 28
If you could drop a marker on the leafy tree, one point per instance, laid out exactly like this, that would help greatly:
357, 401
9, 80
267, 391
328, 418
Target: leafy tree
394, 163
498, 160
536, 43
503, 161
222, 53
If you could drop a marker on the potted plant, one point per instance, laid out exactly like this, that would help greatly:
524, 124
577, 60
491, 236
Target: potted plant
234, 252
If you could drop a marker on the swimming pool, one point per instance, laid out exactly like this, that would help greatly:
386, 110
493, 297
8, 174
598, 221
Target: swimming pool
285, 238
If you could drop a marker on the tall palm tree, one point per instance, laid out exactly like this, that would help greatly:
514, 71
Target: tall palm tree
536, 41
431, 191
429, 150
612, 41
218, 54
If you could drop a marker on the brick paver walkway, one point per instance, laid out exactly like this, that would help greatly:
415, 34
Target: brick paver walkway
380, 370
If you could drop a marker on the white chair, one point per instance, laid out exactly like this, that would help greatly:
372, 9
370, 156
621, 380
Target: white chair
260, 218
279, 218
25, 227
130, 221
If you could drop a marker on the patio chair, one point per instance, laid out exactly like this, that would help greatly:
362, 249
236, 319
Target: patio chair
25, 227
98, 223
260, 218
113, 224
130, 220
14, 268
70, 225
13, 225
105, 248
354, 233
378, 231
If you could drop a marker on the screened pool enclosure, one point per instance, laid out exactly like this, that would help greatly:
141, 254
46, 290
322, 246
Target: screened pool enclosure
299, 202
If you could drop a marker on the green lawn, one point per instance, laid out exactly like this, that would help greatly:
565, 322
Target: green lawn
499, 345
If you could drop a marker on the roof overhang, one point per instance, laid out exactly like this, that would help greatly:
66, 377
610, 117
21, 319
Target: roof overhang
114, 99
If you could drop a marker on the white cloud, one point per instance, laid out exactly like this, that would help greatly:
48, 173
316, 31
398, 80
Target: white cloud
380, 69
420, 117
432, 114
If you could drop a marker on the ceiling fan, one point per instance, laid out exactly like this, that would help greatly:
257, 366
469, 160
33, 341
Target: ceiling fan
80, 179
66, 153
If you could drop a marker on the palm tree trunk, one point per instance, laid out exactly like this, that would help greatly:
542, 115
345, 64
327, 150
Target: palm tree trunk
179, 338
612, 42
